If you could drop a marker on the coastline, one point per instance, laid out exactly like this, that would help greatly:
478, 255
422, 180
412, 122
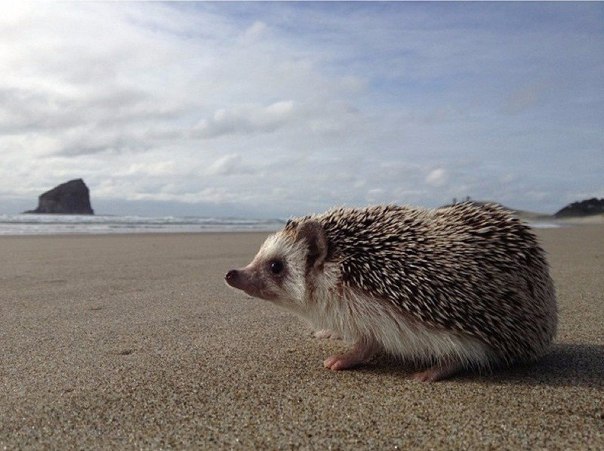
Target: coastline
134, 341
57, 224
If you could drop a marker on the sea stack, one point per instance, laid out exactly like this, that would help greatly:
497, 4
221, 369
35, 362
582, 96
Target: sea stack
69, 198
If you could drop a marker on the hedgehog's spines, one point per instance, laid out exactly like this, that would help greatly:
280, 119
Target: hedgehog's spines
473, 270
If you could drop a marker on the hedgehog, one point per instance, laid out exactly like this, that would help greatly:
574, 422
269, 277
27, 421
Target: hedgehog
457, 288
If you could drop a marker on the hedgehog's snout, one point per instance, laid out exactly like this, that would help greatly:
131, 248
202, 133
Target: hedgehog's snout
247, 280
233, 278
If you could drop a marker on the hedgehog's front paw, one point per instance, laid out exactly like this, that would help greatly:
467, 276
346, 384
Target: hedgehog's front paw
359, 354
325, 334
341, 362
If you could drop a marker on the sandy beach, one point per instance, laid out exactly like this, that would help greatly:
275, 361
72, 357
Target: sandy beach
134, 341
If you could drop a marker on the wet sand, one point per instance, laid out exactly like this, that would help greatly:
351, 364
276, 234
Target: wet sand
134, 341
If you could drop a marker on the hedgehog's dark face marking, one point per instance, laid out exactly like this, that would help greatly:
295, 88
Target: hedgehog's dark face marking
258, 280
283, 267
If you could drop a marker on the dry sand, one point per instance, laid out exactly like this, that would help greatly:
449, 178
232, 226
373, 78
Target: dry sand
134, 341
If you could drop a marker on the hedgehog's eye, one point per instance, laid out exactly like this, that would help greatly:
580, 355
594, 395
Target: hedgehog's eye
276, 266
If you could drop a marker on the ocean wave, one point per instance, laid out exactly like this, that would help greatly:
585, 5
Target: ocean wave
32, 224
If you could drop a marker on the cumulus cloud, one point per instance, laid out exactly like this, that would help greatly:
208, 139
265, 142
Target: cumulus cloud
245, 119
231, 164
437, 177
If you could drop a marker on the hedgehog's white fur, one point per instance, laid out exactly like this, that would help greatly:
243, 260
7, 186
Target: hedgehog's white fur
292, 294
358, 318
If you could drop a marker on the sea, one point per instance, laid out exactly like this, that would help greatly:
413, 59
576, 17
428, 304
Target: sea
33, 224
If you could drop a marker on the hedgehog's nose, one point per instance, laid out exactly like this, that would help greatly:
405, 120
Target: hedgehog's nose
231, 277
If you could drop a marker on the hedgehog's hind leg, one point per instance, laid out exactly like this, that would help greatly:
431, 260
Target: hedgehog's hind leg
360, 353
440, 371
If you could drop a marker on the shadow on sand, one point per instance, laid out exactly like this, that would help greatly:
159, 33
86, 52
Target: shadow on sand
566, 364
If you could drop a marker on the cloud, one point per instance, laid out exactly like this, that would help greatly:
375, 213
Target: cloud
231, 164
155, 169
245, 119
437, 177
255, 31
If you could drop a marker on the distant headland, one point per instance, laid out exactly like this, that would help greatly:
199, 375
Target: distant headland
69, 198
587, 207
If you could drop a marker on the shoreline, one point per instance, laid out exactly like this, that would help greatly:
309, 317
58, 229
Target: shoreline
54, 225
135, 234
560, 225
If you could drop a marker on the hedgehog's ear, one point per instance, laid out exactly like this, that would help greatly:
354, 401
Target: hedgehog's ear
312, 233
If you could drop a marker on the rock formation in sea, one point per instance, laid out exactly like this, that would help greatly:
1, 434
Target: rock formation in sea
583, 208
70, 198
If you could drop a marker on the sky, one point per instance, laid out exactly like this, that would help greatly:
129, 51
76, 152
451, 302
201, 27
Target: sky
279, 109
